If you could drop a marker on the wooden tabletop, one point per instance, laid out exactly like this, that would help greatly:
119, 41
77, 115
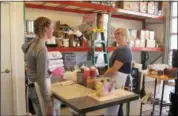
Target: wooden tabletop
81, 100
70, 91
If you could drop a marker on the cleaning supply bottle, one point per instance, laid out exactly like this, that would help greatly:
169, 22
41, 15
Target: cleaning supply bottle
99, 89
106, 87
86, 75
91, 83
92, 71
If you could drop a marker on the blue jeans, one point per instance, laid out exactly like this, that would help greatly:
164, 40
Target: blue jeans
35, 102
36, 105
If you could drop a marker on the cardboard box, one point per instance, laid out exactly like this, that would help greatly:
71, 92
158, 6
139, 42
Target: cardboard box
152, 35
124, 5
151, 8
137, 43
131, 43
142, 43
117, 4
133, 33
143, 7
141, 34
147, 34
156, 10
150, 43
134, 6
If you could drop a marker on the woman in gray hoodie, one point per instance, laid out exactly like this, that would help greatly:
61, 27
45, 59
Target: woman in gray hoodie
37, 64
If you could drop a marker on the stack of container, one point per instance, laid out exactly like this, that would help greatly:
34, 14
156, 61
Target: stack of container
56, 65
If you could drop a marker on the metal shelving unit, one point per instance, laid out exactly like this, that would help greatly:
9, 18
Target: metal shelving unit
86, 7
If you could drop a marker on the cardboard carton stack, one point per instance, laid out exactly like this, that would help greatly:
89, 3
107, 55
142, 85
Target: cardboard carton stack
142, 38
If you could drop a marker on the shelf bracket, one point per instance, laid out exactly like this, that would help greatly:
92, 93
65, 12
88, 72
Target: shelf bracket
156, 58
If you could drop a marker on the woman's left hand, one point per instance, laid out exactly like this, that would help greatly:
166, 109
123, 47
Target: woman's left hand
49, 108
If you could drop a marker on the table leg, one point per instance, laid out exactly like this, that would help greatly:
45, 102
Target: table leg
78, 114
162, 98
141, 105
128, 109
142, 94
154, 97
83, 114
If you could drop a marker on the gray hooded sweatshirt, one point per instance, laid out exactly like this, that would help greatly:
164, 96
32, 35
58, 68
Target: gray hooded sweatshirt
36, 58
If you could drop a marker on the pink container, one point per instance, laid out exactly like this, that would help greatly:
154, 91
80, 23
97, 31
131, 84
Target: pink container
92, 71
58, 72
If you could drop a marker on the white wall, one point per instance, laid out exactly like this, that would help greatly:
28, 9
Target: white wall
72, 19
130, 24
75, 19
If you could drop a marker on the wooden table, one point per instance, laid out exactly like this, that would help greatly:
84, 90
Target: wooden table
156, 77
164, 78
80, 99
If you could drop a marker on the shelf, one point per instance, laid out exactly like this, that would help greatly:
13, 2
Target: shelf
77, 49
164, 104
121, 13
86, 7
147, 49
109, 49
75, 7
135, 49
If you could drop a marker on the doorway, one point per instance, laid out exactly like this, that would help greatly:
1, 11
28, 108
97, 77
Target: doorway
6, 75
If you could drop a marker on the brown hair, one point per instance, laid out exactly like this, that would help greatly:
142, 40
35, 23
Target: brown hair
40, 24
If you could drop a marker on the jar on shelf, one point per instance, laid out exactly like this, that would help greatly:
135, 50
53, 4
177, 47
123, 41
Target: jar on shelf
100, 21
66, 40
71, 40
59, 42
58, 23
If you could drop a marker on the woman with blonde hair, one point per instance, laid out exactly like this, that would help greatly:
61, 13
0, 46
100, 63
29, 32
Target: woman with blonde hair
37, 66
119, 65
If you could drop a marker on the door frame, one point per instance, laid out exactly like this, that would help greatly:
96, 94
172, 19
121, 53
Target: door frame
17, 56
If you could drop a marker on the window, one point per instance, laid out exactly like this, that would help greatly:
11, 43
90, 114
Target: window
173, 40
